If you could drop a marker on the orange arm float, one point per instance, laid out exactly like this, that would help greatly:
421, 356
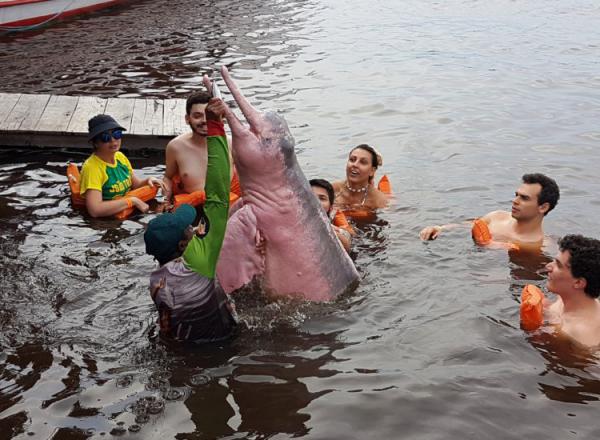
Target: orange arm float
482, 236
532, 310
341, 222
196, 198
384, 185
144, 193
481, 233
73, 177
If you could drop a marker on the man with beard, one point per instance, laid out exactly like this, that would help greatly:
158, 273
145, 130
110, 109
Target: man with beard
186, 156
534, 199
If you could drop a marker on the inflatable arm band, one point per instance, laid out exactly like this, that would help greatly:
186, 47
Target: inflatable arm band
145, 193
532, 307
198, 197
341, 222
482, 236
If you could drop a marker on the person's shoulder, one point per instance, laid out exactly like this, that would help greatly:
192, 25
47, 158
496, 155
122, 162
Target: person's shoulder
92, 161
584, 333
337, 185
120, 156
176, 143
496, 215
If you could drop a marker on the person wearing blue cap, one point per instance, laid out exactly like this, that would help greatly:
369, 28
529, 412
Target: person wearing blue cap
191, 304
107, 175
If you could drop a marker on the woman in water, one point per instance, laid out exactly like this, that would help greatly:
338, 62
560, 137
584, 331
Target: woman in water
358, 190
106, 176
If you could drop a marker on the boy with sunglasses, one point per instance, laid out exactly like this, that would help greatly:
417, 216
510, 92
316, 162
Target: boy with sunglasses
107, 175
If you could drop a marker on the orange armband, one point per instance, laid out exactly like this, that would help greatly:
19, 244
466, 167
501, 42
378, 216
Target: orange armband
532, 307
74, 185
144, 193
341, 222
481, 233
483, 237
384, 185
196, 198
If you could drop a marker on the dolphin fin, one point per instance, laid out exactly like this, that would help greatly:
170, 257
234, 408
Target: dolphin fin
240, 260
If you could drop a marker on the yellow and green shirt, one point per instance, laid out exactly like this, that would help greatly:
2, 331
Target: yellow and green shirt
111, 180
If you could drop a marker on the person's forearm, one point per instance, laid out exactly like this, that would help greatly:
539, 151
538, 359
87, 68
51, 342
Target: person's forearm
168, 183
106, 208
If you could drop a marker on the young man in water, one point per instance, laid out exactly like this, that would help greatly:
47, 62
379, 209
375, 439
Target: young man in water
574, 276
186, 155
323, 190
191, 304
533, 200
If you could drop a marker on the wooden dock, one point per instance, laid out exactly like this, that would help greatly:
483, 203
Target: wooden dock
61, 121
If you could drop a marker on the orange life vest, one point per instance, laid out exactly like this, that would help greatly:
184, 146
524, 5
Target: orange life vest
532, 307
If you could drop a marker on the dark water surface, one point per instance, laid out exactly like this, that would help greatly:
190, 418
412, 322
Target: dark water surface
462, 97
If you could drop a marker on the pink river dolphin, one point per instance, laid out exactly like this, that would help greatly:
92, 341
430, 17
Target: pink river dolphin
303, 257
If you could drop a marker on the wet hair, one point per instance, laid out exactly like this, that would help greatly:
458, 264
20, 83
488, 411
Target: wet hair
196, 98
584, 261
549, 193
322, 183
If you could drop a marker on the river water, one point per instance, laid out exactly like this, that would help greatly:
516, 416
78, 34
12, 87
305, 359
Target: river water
461, 97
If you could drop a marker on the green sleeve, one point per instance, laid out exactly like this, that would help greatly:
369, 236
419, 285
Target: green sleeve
201, 254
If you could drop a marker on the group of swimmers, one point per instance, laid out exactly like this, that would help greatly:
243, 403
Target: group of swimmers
190, 302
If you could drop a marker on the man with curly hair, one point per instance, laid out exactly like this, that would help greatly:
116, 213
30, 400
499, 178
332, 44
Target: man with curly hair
574, 275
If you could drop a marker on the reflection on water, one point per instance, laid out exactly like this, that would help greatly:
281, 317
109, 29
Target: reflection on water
460, 97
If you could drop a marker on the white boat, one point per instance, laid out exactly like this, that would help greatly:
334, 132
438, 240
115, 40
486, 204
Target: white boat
27, 14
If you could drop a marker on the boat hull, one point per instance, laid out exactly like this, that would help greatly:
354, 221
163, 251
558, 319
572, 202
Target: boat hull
17, 14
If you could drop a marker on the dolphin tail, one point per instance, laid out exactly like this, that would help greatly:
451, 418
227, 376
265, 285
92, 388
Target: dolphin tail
239, 260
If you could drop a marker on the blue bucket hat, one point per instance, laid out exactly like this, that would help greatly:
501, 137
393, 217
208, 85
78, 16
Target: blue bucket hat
164, 232
101, 123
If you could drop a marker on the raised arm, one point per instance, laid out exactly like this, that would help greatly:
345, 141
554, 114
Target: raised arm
202, 253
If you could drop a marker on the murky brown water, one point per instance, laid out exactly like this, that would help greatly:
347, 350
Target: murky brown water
461, 97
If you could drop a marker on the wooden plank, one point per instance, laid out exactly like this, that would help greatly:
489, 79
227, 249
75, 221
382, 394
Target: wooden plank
174, 117
26, 113
7, 102
121, 110
147, 117
57, 114
78, 141
87, 107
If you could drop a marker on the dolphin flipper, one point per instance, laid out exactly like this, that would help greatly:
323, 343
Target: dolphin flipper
240, 260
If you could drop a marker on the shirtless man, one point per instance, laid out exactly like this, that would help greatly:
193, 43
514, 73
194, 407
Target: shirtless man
533, 200
187, 154
574, 276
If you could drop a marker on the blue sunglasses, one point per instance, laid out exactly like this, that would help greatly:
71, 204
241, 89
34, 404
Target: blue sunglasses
108, 135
